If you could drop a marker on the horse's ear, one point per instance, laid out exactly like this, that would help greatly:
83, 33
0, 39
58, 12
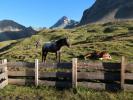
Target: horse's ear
66, 37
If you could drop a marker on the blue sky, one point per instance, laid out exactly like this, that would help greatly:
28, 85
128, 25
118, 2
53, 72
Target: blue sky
40, 13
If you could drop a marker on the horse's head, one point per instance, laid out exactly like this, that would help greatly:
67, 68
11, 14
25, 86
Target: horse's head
66, 42
106, 55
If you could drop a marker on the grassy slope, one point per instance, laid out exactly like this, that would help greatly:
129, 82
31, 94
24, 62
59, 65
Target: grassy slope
117, 38
5, 43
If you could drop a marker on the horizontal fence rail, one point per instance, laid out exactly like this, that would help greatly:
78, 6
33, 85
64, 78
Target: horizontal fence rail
56, 65
100, 66
99, 76
14, 81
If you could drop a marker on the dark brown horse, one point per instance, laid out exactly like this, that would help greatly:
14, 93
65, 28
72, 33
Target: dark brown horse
54, 47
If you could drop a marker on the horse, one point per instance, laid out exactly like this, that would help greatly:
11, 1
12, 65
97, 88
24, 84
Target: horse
104, 55
54, 47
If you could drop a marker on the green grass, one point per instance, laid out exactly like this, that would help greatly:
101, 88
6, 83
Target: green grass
5, 43
12, 92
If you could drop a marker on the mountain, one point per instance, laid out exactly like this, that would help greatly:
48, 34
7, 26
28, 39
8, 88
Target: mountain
9, 25
11, 30
64, 22
108, 10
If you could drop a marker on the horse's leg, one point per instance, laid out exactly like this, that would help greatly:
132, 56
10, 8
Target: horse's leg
56, 54
45, 55
42, 56
43, 51
59, 56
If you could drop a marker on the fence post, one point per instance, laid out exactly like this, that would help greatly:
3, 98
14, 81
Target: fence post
5, 71
122, 72
74, 72
36, 72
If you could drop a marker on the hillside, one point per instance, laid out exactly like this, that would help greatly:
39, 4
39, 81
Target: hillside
108, 10
116, 38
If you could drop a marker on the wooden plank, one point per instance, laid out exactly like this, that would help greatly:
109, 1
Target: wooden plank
99, 76
3, 65
0, 61
41, 74
20, 81
21, 64
129, 67
99, 66
128, 87
54, 74
63, 84
56, 65
99, 86
122, 72
45, 65
36, 72
3, 75
128, 76
74, 72
3, 84
28, 73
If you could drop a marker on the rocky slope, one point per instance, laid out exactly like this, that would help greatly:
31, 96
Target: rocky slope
108, 10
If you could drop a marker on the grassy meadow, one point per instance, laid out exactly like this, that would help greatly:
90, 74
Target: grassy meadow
114, 37
12, 92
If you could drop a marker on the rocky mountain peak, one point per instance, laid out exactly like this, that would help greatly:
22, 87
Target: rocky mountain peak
64, 22
61, 23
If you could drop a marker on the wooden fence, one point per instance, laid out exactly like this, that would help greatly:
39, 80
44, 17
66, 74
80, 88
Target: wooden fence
3, 73
95, 75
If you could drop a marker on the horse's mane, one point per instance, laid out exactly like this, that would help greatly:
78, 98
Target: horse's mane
59, 41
